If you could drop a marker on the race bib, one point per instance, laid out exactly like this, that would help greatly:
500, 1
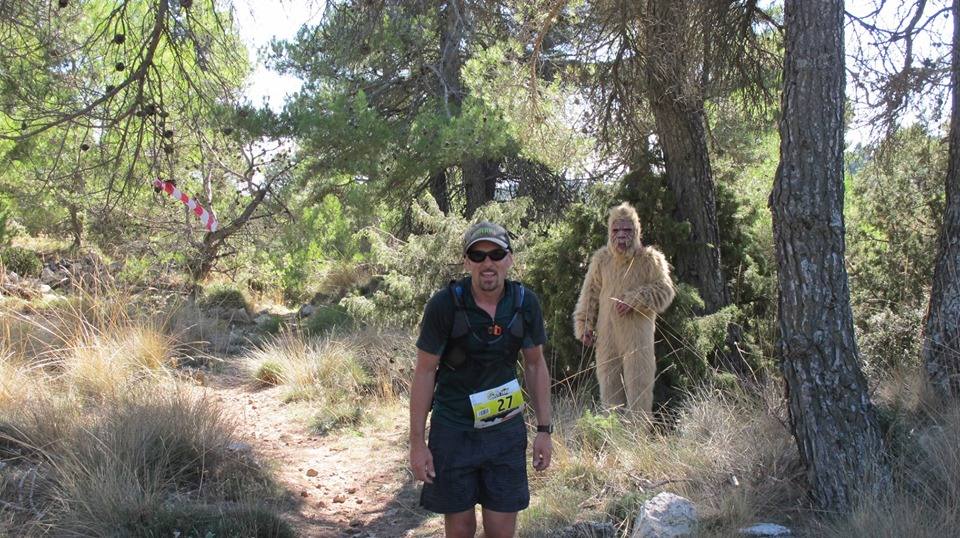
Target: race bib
493, 406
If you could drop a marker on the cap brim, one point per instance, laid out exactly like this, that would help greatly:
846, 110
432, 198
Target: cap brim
493, 240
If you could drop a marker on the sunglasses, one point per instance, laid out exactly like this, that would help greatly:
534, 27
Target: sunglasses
477, 256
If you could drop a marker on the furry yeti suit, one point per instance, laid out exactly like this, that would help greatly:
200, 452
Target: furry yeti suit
627, 285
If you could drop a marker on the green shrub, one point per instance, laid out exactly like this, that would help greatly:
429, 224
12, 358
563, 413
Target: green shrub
556, 267
426, 260
269, 372
889, 339
5, 232
136, 270
895, 208
335, 414
326, 319
224, 296
207, 521
272, 325
596, 431
22, 261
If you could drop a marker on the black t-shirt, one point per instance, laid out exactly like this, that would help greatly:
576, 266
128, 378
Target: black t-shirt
488, 364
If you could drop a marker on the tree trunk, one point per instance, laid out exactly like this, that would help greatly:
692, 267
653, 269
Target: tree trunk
438, 189
480, 181
201, 266
832, 418
681, 130
76, 226
479, 176
941, 343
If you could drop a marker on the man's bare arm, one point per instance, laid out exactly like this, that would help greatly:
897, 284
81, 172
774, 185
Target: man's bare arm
537, 379
421, 397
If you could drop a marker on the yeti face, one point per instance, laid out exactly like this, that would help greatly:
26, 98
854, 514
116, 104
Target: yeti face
622, 235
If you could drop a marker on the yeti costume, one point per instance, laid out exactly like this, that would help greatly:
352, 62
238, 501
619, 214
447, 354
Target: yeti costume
640, 277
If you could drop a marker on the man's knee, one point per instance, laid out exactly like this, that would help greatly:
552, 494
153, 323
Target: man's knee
460, 524
499, 524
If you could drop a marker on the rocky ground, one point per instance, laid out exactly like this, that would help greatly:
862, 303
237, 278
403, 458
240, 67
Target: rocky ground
351, 482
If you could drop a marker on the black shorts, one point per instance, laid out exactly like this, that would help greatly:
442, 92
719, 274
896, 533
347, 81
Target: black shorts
488, 467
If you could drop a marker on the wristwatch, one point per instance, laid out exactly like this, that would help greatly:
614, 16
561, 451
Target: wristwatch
545, 428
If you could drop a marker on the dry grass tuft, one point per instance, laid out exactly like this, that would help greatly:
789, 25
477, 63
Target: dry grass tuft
730, 454
101, 471
99, 439
101, 364
308, 369
325, 372
923, 436
340, 377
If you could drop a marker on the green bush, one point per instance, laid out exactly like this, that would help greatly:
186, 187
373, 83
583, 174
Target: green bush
426, 260
889, 339
593, 432
136, 270
895, 208
207, 521
327, 318
556, 267
269, 372
5, 232
224, 296
22, 261
687, 342
272, 325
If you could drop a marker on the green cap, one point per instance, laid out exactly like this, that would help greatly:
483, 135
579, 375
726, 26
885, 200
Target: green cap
486, 231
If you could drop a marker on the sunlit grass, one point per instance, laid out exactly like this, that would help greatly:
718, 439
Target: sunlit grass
100, 438
731, 455
341, 377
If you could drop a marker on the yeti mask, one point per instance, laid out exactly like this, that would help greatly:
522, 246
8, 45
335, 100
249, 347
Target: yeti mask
623, 231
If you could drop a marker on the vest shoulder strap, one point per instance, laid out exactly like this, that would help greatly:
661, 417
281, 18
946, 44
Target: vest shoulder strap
461, 325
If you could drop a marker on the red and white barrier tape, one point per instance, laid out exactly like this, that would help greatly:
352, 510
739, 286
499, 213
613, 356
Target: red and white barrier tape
206, 217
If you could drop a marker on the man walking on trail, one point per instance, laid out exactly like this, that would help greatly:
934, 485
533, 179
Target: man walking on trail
470, 337
626, 286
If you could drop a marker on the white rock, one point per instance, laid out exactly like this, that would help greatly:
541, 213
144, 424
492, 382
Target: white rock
239, 446
263, 318
44, 289
766, 529
240, 315
586, 529
47, 276
237, 337
665, 516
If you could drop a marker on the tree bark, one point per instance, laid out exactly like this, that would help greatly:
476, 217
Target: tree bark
941, 343
479, 176
76, 226
438, 189
480, 181
831, 415
681, 129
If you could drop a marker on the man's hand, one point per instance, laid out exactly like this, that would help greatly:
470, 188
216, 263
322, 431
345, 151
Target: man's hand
588, 338
542, 450
421, 463
622, 308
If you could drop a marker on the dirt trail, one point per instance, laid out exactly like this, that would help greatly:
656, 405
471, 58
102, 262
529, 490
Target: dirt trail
351, 483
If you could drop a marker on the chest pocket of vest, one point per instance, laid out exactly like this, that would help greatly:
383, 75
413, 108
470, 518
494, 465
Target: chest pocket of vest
463, 335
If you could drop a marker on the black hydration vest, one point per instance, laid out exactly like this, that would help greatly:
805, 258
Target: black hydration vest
456, 353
